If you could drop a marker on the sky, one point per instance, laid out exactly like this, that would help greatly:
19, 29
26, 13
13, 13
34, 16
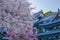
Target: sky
45, 5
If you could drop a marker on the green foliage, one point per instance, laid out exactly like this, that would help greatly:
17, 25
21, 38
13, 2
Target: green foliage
48, 13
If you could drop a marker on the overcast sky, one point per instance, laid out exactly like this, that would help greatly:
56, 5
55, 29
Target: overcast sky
45, 5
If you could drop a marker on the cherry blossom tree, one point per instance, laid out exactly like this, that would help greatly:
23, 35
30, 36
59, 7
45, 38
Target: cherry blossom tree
15, 15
